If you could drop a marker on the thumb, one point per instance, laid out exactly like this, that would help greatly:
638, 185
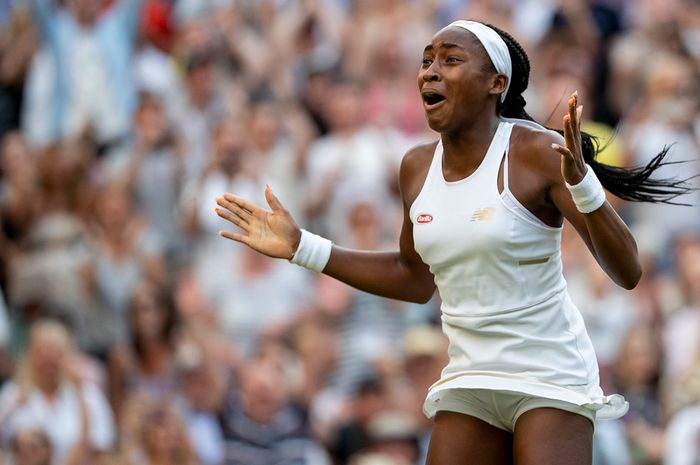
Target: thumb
563, 151
272, 200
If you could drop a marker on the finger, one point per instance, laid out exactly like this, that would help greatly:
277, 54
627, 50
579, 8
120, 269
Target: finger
272, 200
568, 133
573, 101
235, 237
233, 218
565, 152
241, 202
579, 113
242, 213
575, 130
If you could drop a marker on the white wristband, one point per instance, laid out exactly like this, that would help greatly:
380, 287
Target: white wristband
313, 252
588, 194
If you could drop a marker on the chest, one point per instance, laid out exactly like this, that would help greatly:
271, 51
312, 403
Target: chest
454, 223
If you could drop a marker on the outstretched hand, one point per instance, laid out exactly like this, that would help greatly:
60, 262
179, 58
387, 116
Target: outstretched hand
271, 232
573, 166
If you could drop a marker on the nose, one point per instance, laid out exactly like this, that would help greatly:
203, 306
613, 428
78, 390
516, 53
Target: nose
431, 73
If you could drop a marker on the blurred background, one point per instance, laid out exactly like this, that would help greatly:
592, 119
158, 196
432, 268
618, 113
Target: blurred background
131, 334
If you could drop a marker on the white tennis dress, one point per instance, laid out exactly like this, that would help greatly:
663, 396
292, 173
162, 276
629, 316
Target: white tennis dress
505, 308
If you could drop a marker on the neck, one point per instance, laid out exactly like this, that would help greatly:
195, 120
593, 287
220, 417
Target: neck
150, 345
49, 388
468, 144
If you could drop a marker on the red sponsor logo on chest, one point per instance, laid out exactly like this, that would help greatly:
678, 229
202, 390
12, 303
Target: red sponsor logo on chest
424, 218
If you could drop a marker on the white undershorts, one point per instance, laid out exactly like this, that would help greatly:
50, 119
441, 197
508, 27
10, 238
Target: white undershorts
501, 408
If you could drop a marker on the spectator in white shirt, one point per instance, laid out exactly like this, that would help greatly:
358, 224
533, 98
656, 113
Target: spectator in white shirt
49, 393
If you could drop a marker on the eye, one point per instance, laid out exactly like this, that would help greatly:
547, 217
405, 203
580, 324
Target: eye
453, 60
427, 61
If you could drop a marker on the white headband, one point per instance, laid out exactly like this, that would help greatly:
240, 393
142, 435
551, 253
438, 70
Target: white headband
494, 45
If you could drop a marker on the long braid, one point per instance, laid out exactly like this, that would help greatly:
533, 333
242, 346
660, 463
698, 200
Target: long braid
633, 184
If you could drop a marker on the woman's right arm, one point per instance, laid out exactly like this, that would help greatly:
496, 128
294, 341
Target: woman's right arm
398, 275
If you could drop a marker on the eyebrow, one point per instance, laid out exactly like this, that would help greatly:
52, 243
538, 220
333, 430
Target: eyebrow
444, 45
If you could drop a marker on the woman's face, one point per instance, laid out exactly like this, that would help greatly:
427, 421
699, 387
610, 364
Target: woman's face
48, 357
456, 80
114, 208
148, 316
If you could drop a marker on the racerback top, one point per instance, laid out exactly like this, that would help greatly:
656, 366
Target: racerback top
505, 309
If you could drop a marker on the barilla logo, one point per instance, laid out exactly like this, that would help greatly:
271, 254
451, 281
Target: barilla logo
424, 218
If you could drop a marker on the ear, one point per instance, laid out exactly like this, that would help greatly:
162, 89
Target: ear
498, 85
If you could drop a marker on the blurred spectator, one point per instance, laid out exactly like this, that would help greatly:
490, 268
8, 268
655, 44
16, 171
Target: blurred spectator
155, 434
666, 116
145, 364
49, 392
682, 344
203, 111
425, 354
279, 137
352, 157
262, 427
200, 399
152, 165
354, 435
394, 434
637, 376
82, 80
125, 251
48, 277
223, 173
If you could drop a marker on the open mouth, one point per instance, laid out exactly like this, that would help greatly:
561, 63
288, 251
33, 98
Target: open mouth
432, 99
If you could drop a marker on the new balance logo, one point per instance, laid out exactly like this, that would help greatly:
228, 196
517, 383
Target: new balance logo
482, 214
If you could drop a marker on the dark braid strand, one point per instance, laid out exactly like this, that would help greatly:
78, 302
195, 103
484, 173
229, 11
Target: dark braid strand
633, 184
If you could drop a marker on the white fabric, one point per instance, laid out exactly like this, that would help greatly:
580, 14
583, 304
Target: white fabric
502, 408
505, 307
313, 252
512, 202
588, 195
91, 98
682, 446
495, 47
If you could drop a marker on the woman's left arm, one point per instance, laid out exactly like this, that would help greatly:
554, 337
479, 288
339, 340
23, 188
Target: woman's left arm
606, 235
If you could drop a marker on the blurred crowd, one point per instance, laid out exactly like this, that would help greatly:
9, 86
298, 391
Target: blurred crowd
131, 334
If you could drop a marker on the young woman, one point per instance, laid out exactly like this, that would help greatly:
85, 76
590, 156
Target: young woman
483, 212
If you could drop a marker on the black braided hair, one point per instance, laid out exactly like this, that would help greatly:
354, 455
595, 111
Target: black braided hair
633, 184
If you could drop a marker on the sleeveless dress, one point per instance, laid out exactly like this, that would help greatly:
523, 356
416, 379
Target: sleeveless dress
506, 311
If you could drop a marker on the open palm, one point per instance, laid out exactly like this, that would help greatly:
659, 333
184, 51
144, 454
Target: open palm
271, 232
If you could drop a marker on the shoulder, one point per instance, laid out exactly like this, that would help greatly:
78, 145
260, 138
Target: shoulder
414, 169
532, 150
417, 158
536, 141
